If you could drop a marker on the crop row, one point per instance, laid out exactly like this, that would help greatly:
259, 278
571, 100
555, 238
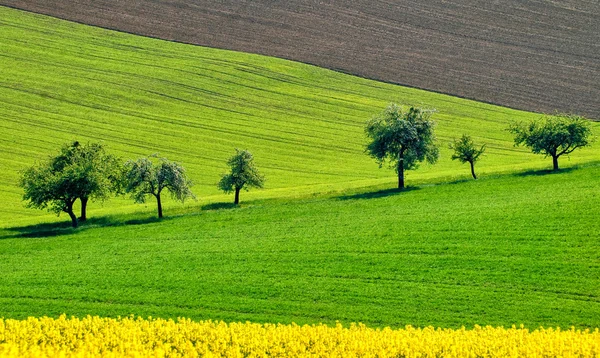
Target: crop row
133, 337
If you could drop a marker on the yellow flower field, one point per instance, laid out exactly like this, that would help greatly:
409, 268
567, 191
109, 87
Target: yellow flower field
130, 337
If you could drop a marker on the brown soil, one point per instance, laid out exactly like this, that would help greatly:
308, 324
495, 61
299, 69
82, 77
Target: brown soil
537, 55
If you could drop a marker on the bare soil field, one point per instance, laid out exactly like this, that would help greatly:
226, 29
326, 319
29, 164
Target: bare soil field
536, 55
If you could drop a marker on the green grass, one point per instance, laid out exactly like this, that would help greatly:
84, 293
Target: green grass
326, 241
510, 249
62, 81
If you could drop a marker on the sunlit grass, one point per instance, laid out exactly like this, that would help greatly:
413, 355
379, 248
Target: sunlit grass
62, 81
511, 249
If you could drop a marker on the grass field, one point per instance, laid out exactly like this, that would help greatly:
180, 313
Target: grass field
62, 81
326, 241
505, 250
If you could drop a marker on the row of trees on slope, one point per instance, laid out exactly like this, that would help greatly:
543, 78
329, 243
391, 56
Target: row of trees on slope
402, 137
84, 172
405, 137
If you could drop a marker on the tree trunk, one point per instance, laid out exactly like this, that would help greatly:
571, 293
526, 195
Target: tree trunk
237, 196
84, 202
69, 210
555, 162
401, 170
159, 205
473, 170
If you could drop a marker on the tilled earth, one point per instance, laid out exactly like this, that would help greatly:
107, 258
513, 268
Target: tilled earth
536, 55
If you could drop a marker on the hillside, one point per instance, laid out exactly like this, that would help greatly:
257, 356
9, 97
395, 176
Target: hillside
63, 82
538, 55
326, 240
513, 249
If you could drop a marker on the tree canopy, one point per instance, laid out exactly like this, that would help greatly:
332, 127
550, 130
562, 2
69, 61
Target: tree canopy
143, 178
57, 191
465, 151
553, 135
76, 172
99, 171
403, 138
243, 174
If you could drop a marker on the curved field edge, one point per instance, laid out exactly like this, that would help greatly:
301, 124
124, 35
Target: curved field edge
125, 337
63, 81
539, 56
511, 249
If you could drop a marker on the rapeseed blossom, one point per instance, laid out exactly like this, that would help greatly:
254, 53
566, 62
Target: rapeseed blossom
137, 337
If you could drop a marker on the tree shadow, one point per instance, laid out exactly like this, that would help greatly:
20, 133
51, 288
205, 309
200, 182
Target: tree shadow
38, 230
219, 206
461, 181
378, 194
545, 172
47, 230
108, 221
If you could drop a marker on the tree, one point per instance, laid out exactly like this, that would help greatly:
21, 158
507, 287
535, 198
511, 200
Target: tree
55, 190
77, 172
465, 152
143, 178
99, 171
243, 174
403, 137
553, 135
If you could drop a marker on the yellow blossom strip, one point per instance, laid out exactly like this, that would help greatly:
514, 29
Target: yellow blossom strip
137, 337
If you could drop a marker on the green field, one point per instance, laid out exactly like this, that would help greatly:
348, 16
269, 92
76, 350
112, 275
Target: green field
505, 250
62, 81
325, 241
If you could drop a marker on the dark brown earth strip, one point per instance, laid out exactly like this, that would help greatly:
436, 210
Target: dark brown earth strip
536, 55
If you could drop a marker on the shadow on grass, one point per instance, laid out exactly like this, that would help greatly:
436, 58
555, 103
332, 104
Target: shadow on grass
545, 172
461, 181
378, 194
65, 228
39, 230
219, 206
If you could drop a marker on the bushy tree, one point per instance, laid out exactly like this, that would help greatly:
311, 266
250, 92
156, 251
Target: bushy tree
402, 137
99, 171
143, 178
55, 190
243, 174
76, 172
465, 151
553, 135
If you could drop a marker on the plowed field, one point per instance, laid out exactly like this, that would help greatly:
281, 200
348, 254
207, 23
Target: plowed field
534, 55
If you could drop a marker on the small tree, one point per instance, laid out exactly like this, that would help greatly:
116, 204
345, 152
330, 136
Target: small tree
243, 174
99, 171
466, 152
55, 190
553, 135
143, 178
404, 138
77, 172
